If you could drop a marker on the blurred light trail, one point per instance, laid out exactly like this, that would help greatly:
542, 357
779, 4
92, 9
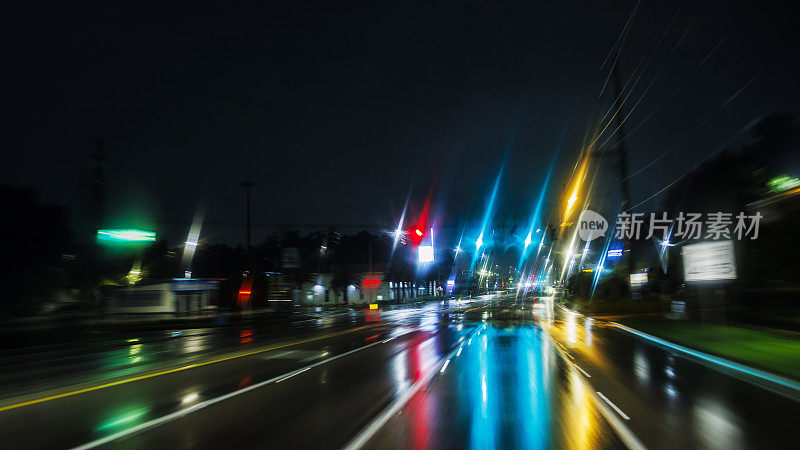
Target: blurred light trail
583, 255
123, 419
541, 243
126, 235
487, 215
574, 192
536, 221
490, 207
398, 232
598, 270
192, 240
569, 254
417, 235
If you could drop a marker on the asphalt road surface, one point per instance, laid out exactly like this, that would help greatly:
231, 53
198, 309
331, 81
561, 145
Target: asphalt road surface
487, 373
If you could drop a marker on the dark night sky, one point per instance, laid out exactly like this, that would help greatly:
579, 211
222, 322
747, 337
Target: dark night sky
332, 108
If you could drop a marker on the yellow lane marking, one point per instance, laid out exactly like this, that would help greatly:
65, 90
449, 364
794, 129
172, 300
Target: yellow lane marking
178, 369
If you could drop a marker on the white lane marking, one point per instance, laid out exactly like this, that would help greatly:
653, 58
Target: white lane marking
622, 430
444, 367
369, 431
178, 414
625, 433
563, 350
619, 411
582, 371
296, 372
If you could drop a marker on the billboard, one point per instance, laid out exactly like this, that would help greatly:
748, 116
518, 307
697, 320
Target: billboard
425, 253
709, 261
638, 279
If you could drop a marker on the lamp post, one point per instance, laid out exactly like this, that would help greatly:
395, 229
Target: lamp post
247, 185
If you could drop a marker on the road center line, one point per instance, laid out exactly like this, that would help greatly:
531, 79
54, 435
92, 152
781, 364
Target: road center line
178, 414
179, 369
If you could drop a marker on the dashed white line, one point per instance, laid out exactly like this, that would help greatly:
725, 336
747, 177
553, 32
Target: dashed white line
619, 411
369, 431
627, 436
582, 371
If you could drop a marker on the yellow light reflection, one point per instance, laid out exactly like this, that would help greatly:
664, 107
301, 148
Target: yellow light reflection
581, 424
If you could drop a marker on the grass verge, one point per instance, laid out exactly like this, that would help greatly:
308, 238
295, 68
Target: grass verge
755, 348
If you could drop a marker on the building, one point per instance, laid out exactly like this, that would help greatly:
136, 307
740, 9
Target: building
373, 287
177, 297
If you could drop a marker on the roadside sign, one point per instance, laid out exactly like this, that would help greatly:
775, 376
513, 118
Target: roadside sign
709, 261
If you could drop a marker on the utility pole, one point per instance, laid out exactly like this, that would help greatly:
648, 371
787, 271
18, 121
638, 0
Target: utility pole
622, 153
99, 184
247, 185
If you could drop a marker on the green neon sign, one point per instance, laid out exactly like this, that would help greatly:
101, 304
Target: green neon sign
126, 235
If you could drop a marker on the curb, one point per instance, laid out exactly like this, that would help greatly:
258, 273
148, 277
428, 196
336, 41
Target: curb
775, 383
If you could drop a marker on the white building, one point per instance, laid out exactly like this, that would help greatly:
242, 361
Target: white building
181, 296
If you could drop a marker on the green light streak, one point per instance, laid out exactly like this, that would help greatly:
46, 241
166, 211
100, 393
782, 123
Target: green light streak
782, 183
123, 419
126, 235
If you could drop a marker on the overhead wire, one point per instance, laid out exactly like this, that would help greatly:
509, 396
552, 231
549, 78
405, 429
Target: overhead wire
674, 91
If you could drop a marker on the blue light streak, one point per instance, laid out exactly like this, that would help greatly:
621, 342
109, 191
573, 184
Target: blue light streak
487, 215
598, 270
536, 222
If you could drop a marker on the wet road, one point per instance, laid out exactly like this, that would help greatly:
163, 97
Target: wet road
333, 387
492, 373
504, 388
33, 371
673, 401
